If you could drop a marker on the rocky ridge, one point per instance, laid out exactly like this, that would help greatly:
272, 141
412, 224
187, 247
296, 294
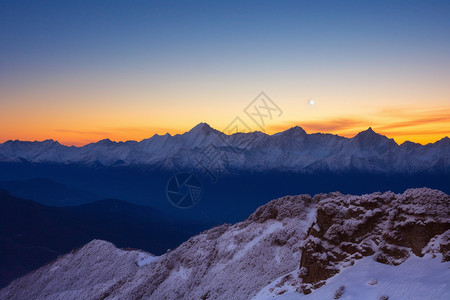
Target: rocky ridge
294, 242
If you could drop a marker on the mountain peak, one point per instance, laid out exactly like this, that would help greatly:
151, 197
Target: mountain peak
369, 132
202, 128
296, 130
202, 125
50, 142
445, 141
105, 142
369, 138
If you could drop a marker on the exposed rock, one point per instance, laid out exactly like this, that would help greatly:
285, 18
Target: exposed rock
388, 225
339, 292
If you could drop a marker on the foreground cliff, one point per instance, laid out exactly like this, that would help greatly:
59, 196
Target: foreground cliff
292, 247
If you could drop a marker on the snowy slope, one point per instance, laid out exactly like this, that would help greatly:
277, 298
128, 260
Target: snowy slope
215, 264
415, 279
289, 150
293, 247
84, 281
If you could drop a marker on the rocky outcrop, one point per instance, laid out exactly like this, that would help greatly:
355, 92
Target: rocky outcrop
391, 227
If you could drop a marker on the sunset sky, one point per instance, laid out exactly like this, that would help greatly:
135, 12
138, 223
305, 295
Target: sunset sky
81, 71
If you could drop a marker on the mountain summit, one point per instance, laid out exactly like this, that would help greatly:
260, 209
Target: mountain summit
290, 150
202, 128
293, 131
370, 134
369, 139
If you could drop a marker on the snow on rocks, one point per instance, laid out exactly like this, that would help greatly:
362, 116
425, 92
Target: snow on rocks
234, 261
391, 227
145, 259
86, 273
291, 247
417, 278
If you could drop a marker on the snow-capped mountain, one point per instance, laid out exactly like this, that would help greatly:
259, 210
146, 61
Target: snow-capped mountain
204, 147
322, 247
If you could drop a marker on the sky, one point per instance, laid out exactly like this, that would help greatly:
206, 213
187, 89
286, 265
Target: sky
81, 71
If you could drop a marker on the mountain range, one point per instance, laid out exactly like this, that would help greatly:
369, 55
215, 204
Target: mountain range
48, 192
206, 148
32, 234
329, 246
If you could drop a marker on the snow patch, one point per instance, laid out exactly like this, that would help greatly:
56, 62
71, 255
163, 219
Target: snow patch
417, 278
145, 259
270, 229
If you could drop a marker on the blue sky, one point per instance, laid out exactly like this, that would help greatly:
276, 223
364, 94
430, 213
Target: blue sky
76, 56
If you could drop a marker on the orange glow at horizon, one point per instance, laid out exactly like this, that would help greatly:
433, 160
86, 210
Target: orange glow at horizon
416, 125
420, 125
56, 112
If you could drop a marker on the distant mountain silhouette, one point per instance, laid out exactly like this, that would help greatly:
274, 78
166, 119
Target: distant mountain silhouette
290, 150
48, 192
32, 234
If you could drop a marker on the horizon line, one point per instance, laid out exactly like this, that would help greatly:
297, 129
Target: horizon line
238, 132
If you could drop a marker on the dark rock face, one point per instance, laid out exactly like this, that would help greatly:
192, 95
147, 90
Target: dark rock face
391, 226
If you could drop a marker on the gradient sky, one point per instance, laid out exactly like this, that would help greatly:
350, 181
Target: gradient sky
81, 71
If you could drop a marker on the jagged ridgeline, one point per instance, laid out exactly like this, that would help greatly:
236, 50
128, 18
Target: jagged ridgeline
290, 150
